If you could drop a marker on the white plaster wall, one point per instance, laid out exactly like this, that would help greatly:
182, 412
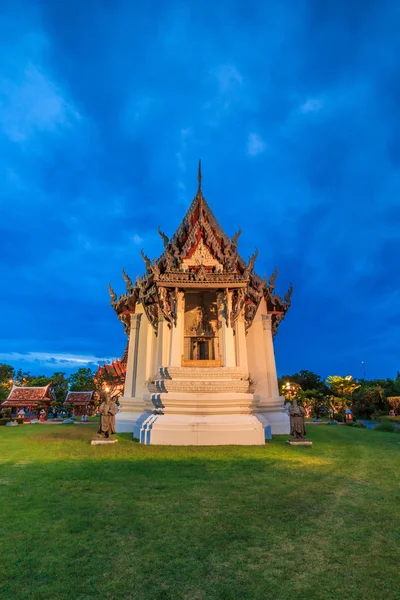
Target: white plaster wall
132, 407
256, 354
262, 370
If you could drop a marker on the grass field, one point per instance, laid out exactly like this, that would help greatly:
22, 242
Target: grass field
143, 522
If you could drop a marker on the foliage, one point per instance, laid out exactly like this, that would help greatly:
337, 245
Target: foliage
342, 389
388, 427
234, 522
395, 419
69, 407
59, 387
356, 424
105, 380
342, 386
7, 374
290, 390
313, 399
82, 380
307, 380
394, 402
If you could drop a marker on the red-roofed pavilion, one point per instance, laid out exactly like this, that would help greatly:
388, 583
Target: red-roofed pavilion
30, 399
82, 403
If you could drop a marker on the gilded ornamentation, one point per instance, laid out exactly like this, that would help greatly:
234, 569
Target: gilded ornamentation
166, 302
215, 264
238, 299
113, 295
128, 280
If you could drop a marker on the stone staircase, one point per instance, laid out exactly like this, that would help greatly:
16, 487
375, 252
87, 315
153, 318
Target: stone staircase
199, 380
200, 391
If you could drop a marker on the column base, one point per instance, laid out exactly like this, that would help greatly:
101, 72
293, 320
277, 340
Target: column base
196, 430
278, 421
129, 411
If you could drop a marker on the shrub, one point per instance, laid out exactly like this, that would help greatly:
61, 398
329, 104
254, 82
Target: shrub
389, 427
339, 417
377, 414
356, 424
390, 419
3, 421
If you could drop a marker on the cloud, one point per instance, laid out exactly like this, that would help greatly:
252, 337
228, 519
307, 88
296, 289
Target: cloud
47, 359
255, 144
32, 104
311, 105
228, 78
100, 137
137, 239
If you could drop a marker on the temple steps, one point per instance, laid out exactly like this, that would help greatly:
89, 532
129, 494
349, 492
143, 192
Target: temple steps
203, 404
199, 386
200, 373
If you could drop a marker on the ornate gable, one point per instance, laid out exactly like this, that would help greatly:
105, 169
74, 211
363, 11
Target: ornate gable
199, 255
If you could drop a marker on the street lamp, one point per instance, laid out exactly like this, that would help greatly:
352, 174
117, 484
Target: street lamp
363, 366
288, 388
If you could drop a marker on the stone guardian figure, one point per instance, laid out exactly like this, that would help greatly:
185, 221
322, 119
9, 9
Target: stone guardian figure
297, 427
107, 410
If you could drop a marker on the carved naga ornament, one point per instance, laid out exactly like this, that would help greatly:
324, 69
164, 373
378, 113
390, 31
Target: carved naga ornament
200, 255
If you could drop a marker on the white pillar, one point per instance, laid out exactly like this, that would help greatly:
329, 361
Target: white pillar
270, 355
162, 342
176, 343
131, 367
227, 340
241, 345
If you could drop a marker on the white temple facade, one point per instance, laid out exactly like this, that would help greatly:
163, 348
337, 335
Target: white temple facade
201, 365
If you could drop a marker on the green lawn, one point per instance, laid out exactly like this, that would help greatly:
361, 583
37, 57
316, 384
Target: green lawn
143, 522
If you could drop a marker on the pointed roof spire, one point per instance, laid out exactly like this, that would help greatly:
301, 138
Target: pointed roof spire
199, 177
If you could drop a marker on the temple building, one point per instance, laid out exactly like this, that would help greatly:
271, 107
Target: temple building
30, 400
200, 322
80, 403
112, 376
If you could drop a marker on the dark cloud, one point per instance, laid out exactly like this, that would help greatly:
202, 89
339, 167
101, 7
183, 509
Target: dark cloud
293, 106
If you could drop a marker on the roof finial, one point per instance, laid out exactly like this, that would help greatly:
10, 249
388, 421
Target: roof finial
199, 176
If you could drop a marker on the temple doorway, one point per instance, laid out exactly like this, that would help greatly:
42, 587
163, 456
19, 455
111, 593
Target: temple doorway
201, 327
202, 349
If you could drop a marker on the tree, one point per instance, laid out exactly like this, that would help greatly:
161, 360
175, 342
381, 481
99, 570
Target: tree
82, 380
105, 380
342, 386
342, 389
394, 402
290, 390
372, 396
307, 380
314, 399
7, 374
59, 386
364, 401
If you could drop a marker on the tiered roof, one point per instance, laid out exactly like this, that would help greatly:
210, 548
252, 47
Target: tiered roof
79, 398
28, 396
199, 255
115, 372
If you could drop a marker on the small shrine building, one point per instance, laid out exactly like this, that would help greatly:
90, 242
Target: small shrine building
200, 322
81, 403
29, 399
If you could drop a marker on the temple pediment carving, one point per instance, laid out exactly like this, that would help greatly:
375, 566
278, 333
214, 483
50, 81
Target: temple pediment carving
200, 256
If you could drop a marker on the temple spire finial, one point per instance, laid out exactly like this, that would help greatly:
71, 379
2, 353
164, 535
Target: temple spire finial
199, 176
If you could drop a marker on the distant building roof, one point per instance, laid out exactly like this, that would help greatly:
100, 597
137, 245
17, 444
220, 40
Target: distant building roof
79, 398
28, 396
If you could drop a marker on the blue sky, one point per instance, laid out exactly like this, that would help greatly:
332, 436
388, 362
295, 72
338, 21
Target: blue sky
105, 108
